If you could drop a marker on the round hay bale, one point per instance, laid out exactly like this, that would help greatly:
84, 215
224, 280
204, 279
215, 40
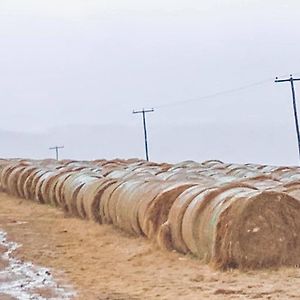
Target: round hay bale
104, 202
12, 180
118, 199
71, 188
81, 182
254, 230
128, 208
34, 189
47, 188
67, 190
6, 171
153, 213
38, 195
88, 202
193, 215
22, 178
28, 182
56, 198
164, 239
176, 214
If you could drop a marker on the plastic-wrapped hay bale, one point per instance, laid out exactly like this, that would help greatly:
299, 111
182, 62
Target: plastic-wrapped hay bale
194, 214
154, 212
89, 197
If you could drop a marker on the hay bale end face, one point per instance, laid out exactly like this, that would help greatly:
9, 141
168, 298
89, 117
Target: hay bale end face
258, 229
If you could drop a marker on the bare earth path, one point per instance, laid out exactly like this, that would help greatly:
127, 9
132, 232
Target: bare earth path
104, 263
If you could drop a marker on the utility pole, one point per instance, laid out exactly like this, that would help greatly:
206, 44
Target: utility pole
56, 148
143, 112
291, 80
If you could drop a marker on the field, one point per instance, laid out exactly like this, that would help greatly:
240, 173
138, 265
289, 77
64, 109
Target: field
102, 262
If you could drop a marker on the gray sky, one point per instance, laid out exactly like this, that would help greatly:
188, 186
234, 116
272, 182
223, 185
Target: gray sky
82, 66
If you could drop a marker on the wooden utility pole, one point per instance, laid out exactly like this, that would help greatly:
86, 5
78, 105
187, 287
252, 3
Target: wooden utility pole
143, 112
56, 148
291, 80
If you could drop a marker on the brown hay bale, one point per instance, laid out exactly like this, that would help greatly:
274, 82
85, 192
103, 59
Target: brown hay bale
38, 195
22, 178
6, 171
128, 208
34, 189
69, 186
28, 183
176, 214
164, 239
256, 229
47, 187
157, 211
104, 202
12, 180
76, 189
56, 198
88, 203
190, 223
117, 203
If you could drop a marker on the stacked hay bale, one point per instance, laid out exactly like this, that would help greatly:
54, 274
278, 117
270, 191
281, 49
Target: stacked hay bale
228, 215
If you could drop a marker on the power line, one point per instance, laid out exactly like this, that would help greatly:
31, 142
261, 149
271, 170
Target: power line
224, 92
143, 112
291, 80
56, 148
220, 93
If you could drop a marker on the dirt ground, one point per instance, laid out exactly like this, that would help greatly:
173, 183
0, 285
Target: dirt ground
102, 262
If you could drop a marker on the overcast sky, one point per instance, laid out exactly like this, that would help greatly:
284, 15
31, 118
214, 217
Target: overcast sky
84, 65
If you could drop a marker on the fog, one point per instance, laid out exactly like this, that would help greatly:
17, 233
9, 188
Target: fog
71, 72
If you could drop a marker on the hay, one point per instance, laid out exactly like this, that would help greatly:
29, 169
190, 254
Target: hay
22, 178
196, 239
235, 220
176, 214
28, 183
12, 180
104, 202
90, 201
118, 206
38, 195
156, 211
257, 229
78, 185
56, 198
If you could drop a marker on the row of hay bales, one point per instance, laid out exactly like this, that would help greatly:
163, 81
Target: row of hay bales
228, 215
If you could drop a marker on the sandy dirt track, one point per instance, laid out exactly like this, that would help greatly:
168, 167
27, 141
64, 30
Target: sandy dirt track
102, 262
